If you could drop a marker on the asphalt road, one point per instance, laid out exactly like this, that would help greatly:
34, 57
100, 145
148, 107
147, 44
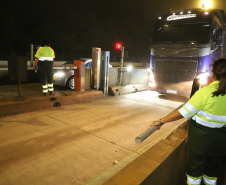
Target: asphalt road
82, 143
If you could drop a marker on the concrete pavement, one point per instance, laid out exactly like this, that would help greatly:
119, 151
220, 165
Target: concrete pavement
165, 159
72, 144
33, 100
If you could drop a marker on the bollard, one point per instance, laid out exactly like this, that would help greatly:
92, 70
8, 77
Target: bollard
79, 75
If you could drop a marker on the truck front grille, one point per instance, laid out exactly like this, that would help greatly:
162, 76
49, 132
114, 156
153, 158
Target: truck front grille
175, 70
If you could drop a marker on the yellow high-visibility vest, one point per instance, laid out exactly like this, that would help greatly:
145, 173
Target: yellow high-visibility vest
206, 110
45, 53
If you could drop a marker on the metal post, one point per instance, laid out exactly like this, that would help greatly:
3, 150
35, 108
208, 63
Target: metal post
32, 54
96, 56
121, 65
104, 71
19, 83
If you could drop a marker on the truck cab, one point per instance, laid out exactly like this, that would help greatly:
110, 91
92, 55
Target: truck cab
184, 45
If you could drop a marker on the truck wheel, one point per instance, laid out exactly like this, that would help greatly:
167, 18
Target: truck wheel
195, 87
70, 83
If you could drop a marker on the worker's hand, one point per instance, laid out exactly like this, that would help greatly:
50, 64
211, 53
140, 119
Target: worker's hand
156, 123
35, 68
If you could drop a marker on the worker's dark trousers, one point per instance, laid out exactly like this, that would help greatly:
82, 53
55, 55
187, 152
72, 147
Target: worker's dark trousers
206, 152
45, 70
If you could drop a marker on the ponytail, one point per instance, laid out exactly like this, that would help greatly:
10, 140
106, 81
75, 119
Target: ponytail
219, 70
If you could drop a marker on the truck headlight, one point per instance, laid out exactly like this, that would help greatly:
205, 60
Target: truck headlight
151, 79
203, 78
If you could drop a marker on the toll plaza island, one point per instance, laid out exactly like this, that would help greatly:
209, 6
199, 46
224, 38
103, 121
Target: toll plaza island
92, 134
92, 123
87, 137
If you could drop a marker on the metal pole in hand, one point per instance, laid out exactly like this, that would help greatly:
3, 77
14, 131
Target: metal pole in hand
151, 130
145, 134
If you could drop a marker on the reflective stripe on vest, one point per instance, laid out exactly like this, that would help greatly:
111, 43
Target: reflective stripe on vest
203, 118
46, 58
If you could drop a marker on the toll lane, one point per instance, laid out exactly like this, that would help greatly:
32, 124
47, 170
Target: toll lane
80, 144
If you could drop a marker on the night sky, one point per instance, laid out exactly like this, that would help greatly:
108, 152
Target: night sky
75, 26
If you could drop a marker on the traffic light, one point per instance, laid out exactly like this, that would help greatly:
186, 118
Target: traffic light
118, 45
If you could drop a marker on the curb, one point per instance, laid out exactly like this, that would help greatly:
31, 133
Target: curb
31, 104
121, 90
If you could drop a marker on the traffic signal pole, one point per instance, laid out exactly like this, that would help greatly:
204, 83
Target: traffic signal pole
121, 65
32, 55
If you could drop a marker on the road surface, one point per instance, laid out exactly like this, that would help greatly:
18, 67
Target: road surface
80, 144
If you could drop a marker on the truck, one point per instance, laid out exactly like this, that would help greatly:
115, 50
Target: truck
183, 48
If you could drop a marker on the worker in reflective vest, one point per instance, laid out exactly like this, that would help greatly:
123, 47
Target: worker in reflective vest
206, 144
45, 58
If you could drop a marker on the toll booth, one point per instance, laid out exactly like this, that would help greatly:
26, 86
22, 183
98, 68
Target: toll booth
104, 71
79, 75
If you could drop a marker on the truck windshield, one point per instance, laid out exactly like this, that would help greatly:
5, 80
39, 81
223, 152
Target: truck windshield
199, 33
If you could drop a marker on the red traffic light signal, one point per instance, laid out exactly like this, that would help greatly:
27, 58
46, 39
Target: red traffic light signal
118, 45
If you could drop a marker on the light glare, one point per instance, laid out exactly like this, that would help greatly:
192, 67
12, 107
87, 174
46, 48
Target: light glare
152, 84
59, 74
129, 68
205, 4
203, 78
